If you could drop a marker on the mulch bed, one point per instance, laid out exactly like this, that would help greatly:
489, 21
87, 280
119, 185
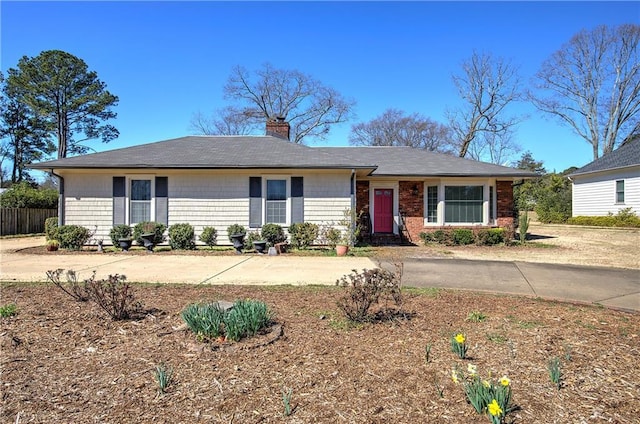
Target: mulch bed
66, 361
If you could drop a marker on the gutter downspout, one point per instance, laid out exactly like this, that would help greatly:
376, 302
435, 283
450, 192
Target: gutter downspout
61, 209
353, 200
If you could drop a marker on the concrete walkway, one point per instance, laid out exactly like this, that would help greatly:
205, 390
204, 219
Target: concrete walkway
611, 287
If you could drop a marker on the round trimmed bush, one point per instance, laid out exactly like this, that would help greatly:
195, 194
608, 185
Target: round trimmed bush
72, 237
273, 233
118, 232
209, 236
303, 234
182, 237
235, 229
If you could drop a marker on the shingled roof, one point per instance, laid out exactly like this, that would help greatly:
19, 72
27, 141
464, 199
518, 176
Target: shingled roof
623, 157
267, 152
209, 152
407, 161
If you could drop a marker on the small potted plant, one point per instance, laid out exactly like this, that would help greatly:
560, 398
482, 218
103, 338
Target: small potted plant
236, 234
52, 245
125, 243
349, 237
148, 236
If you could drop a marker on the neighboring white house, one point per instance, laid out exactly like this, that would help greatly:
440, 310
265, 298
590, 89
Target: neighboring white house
608, 184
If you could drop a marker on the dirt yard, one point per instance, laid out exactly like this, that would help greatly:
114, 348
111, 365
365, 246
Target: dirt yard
561, 244
67, 361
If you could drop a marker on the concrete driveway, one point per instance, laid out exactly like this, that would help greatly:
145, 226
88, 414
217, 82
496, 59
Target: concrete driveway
612, 287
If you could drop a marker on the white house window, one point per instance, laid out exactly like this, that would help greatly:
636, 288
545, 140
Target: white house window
276, 202
140, 207
463, 204
432, 204
620, 191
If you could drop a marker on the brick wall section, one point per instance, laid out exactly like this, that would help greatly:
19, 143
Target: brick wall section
412, 207
505, 215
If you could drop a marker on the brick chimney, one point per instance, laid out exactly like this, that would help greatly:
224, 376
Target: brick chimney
278, 127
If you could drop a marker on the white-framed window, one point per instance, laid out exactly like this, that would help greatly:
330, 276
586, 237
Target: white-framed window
276, 201
139, 200
463, 204
432, 204
459, 202
620, 191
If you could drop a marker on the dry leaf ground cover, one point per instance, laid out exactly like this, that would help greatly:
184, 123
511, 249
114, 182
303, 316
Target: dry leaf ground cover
66, 361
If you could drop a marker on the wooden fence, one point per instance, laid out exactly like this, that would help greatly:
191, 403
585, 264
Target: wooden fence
24, 221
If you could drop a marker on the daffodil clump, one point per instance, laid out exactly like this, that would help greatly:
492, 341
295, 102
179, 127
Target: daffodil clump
490, 396
459, 345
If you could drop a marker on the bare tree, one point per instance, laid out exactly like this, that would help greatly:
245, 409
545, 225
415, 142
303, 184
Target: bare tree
592, 84
486, 86
494, 148
310, 107
226, 121
394, 128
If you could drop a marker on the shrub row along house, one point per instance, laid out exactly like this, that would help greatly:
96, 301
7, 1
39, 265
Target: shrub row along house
255, 180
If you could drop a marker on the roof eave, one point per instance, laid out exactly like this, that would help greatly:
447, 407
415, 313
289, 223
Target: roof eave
617, 168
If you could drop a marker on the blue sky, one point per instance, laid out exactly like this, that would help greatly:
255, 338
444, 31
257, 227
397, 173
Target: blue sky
168, 60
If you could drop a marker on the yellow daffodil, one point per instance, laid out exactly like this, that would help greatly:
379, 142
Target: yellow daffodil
505, 381
460, 338
486, 383
454, 376
494, 408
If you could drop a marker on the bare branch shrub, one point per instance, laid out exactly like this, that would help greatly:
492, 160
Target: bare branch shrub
114, 295
72, 287
366, 288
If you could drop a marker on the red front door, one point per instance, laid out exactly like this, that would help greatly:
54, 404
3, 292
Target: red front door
383, 210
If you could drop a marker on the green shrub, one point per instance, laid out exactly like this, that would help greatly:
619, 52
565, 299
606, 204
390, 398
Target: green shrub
244, 319
624, 218
273, 233
250, 238
51, 228
149, 227
442, 237
120, 231
8, 310
462, 236
72, 237
182, 237
23, 195
209, 236
235, 229
496, 236
303, 234
333, 236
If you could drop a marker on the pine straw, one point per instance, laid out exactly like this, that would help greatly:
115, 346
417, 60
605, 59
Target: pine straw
64, 361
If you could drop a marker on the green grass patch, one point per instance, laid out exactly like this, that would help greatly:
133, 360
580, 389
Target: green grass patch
8, 310
497, 338
422, 291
